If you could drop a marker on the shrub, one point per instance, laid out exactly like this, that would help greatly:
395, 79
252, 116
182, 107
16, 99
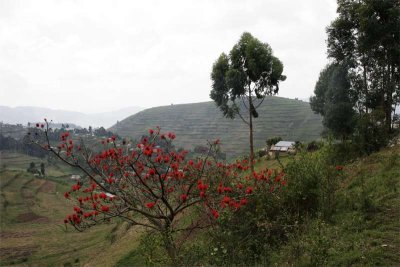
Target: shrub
153, 185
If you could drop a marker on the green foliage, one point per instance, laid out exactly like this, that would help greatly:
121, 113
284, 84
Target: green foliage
313, 181
150, 252
314, 145
246, 237
363, 231
273, 140
366, 36
318, 101
249, 69
32, 168
333, 100
370, 136
42, 169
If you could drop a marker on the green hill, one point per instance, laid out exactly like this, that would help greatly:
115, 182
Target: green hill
195, 123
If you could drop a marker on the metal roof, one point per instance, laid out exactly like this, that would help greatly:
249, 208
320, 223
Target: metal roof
285, 144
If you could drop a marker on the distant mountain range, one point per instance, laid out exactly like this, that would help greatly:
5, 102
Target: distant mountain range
194, 124
23, 115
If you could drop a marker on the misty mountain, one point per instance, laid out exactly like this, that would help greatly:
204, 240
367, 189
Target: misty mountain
26, 114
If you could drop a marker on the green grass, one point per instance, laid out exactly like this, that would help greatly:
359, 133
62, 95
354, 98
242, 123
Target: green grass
196, 123
364, 230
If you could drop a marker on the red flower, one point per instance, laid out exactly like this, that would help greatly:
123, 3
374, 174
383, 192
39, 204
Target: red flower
105, 208
88, 214
171, 136
215, 214
184, 197
76, 187
66, 195
151, 131
150, 205
271, 189
249, 190
202, 194
77, 209
339, 167
228, 189
152, 172
243, 201
226, 199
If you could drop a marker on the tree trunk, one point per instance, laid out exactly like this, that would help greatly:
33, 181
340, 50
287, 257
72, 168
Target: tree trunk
389, 98
365, 87
170, 246
251, 132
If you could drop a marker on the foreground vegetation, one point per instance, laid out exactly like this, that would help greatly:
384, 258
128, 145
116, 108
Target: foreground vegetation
352, 219
329, 215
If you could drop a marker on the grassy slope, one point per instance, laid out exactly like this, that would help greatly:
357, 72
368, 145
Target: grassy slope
198, 122
365, 230
31, 228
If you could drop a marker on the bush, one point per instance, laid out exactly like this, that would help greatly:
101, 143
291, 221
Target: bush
312, 181
370, 134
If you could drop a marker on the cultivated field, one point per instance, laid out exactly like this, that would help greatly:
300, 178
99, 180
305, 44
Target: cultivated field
196, 123
32, 231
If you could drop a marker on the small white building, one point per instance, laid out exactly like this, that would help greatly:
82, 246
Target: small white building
282, 146
75, 177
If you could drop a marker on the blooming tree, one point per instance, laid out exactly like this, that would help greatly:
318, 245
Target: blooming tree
151, 184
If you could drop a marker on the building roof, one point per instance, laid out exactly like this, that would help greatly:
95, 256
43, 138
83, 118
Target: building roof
285, 144
282, 146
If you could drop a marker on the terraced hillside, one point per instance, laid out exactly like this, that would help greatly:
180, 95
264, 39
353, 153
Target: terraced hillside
32, 232
198, 122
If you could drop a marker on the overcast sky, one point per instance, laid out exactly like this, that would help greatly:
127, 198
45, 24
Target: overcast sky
94, 56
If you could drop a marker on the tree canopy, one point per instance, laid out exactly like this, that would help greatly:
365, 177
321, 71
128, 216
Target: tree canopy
366, 35
250, 70
334, 100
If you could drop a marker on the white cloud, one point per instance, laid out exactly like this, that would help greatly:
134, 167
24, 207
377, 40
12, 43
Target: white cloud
94, 56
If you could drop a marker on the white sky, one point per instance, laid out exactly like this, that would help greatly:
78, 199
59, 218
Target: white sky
94, 56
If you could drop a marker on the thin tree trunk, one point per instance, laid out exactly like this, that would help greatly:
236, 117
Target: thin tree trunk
170, 246
251, 132
389, 98
365, 87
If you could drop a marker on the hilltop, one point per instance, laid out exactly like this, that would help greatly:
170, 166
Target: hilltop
195, 123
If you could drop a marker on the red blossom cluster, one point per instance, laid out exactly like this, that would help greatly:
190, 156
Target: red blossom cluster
339, 167
154, 181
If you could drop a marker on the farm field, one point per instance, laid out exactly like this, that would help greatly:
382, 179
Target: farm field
32, 231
